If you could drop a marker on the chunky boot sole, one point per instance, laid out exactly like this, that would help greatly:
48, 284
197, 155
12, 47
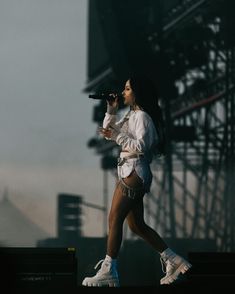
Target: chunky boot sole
101, 283
181, 269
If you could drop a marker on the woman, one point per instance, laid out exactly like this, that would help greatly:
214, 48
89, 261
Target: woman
140, 133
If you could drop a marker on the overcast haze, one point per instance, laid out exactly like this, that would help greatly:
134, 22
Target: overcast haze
45, 118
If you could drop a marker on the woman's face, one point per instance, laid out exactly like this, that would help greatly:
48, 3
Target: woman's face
128, 94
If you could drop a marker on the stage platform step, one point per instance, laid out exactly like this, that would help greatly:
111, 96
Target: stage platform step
217, 268
54, 271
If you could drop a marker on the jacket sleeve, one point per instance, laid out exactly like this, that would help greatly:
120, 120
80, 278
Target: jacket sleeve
141, 143
109, 119
110, 116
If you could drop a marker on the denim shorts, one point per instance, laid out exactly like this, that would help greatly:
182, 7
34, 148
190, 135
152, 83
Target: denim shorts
141, 167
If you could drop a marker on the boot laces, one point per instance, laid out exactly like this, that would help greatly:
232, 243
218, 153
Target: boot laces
98, 263
165, 262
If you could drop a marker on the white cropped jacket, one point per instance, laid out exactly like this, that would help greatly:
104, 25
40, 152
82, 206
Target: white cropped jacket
135, 132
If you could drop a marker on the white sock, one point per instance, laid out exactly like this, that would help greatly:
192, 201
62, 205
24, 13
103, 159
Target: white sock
168, 253
113, 261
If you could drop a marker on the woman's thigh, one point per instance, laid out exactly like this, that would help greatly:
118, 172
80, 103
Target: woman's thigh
133, 181
132, 186
122, 204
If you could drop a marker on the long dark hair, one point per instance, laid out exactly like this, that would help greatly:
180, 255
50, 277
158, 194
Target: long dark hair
146, 97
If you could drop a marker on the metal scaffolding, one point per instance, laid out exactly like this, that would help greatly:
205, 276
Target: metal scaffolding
203, 167
193, 189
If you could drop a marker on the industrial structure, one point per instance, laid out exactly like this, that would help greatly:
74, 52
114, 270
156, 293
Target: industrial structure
188, 48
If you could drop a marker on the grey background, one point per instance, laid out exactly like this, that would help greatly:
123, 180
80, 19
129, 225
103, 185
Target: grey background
45, 118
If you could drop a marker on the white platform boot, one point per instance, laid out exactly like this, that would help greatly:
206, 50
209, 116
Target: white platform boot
107, 276
173, 265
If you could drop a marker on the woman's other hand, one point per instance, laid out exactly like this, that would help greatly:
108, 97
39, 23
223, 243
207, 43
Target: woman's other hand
107, 133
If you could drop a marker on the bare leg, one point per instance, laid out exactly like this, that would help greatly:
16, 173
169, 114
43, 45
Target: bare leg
121, 206
137, 225
174, 264
130, 205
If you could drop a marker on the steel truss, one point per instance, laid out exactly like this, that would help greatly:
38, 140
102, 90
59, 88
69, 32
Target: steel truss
202, 173
193, 189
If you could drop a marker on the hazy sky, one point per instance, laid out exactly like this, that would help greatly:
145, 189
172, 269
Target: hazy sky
45, 118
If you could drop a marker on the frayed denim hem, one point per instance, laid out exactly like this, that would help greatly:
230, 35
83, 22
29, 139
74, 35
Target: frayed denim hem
130, 192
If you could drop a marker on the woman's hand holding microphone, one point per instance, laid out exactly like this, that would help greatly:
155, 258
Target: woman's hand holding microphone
112, 108
112, 104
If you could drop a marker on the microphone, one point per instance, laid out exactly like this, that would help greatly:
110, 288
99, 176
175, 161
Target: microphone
103, 96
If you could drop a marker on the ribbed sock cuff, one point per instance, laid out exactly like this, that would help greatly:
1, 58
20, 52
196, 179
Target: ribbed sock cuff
111, 260
167, 253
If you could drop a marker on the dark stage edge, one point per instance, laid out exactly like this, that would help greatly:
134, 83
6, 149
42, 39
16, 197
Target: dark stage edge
186, 287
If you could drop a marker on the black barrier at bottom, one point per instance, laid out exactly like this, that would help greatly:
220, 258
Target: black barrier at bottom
38, 267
